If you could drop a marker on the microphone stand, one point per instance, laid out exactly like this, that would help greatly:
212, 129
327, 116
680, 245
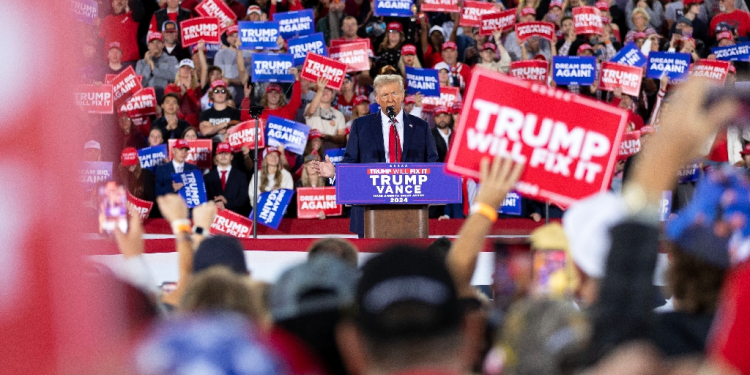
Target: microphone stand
255, 112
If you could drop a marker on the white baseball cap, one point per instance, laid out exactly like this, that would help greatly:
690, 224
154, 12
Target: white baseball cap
92, 144
187, 62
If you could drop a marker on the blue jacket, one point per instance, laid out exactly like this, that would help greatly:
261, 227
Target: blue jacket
164, 177
366, 145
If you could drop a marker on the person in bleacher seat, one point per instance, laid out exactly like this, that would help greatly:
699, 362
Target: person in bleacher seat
227, 186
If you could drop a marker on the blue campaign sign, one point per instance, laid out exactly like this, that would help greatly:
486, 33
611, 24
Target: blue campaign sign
396, 183
94, 172
272, 205
665, 205
272, 67
291, 134
151, 157
511, 204
259, 34
295, 23
630, 55
299, 47
85, 10
194, 189
676, 65
336, 154
736, 52
424, 81
689, 173
393, 8
577, 70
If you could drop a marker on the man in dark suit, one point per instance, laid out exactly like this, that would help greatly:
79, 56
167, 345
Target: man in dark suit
164, 182
373, 139
443, 131
227, 186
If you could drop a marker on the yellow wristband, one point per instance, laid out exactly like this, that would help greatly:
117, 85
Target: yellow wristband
181, 225
484, 210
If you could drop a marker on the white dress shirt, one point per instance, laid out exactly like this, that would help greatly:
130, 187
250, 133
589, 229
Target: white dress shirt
386, 124
446, 137
178, 167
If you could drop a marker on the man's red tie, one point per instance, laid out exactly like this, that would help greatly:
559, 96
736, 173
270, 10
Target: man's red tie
392, 147
223, 180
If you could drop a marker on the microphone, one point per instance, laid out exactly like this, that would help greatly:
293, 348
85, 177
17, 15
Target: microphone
392, 115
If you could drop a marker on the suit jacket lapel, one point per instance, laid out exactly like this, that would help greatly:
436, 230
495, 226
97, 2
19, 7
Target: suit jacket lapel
377, 129
408, 136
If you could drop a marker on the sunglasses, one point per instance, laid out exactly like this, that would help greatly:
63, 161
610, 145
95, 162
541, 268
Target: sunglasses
220, 91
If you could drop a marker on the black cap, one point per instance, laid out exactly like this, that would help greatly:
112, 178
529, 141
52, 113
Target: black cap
685, 20
220, 251
407, 293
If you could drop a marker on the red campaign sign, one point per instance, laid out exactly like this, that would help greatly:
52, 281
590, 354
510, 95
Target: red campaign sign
354, 55
567, 156
450, 6
526, 30
502, 21
217, 9
194, 30
472, 10
140, 207
124, 85
142, 103
631, 144
95, 98
587, 20
530, 70
615, 75
143, 124
230, 223
243, 134
448, 96
199, 153
317, 66
715, 70
310, 201
108, 78
341, 42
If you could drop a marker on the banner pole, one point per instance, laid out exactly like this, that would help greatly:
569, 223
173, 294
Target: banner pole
255, 181
546, 213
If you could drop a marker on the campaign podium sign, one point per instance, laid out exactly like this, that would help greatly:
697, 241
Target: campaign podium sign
424, 81
567, 156
272, 205
396, 183
295, 23
199, 153
206, 29
299, 47
449, 6
500, 21
472, 12
218, 9
193, 190
232, 224
243, 134
579, 70
312, 200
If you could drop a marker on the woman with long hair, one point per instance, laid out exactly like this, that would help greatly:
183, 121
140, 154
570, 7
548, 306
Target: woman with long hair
190, 134
131, 136
187, 87
272, 175
389, 51
155, 137
138, 181
408, 58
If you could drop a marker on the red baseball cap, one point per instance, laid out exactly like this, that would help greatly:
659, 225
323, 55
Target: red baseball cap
395, 26
181, 143
115, 45
540, 56
253, 9
584, 47
273, 87
271, 149
457, 107
688, 2
732, 69
555, 3
724, 35
233, 29
218, 83
746, 150
361, 99
441, 109
528, 11
154, 35
489, 46
647, 129
223, 147
448, 45
410, 100
129, 157
602, 5
408, 49
314, 133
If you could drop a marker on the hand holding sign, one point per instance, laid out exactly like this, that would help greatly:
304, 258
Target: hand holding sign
497, 180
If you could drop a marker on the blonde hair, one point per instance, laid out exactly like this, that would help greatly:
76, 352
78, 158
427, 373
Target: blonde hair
643, 13
277, 177
356, 114
219, 289
402, 66
385, 79
264, 100
384, 45
193, 79
305, 179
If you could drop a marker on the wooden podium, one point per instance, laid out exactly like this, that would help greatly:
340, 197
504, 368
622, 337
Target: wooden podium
396, 221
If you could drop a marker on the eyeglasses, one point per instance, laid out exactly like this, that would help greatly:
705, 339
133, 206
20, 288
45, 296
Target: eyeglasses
220, 91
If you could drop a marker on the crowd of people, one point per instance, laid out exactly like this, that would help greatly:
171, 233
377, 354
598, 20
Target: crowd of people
607, 306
